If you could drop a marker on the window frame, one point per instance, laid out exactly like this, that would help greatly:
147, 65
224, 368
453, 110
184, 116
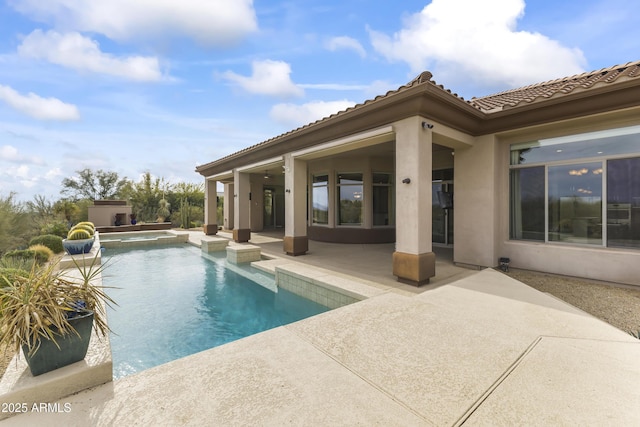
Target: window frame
326, 186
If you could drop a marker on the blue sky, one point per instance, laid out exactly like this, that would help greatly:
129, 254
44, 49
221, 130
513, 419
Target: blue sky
157, 85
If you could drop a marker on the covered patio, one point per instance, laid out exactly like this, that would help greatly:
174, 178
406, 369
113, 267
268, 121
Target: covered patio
366, 261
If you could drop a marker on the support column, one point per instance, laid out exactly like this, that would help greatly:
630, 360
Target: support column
413, 260
296, 241
210, 207
228, 206
241, 207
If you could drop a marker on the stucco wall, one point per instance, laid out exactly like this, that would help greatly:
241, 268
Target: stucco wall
105, 215
476, 195
613, 265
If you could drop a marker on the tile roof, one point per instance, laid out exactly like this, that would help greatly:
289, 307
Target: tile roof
553, 88
487, 104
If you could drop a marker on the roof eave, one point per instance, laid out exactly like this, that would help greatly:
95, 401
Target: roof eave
583, 103
425, 99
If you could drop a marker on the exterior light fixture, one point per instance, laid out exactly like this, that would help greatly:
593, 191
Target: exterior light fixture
426, 125
406, 180
266, 174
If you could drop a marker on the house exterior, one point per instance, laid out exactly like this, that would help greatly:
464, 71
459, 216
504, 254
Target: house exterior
547, 175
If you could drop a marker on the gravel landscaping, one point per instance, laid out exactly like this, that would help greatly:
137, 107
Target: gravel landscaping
618, 305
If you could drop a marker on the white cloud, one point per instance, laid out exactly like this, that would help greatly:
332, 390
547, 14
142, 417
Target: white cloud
21, 172
211, 22
75, 51
348, 43
477, 40
298, 115
54, 173
38, 107
7, 152
267, 78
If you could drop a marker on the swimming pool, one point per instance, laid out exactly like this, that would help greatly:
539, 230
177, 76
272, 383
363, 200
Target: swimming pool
173, 302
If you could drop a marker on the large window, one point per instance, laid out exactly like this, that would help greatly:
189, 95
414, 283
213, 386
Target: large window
527, 204
320, 199
383, 205
623, 202
556, 198
575, 203
350, 199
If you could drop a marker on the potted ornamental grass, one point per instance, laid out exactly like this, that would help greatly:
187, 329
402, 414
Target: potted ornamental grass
80, 238
49, 314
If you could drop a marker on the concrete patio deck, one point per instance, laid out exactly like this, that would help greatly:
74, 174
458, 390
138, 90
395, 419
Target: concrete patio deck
480, 350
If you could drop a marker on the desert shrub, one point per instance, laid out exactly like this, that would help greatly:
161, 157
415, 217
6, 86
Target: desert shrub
16, 263
56, 228
16, 227
27, 255
8, 275
42, 251
49, 240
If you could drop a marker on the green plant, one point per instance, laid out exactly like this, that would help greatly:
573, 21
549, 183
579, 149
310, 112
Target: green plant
185, 214
56, 228
15, 224
49, 240
8, 275
86, 228
27, 255
16, 263
78, 234
163, 209
86, 224
38, 306
92, 294
42, 251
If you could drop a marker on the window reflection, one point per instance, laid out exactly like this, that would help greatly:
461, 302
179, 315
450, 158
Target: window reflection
350, 198
623, 202
320, 199
575, 203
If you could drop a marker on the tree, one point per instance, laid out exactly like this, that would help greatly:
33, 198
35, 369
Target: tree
91, 185
190, 198
66, 208
15, 230
145, 195
41, 211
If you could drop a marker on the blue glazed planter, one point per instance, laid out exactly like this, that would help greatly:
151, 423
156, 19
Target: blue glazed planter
73, 348
76, 247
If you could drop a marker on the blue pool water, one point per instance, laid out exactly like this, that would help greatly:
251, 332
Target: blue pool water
173, 301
